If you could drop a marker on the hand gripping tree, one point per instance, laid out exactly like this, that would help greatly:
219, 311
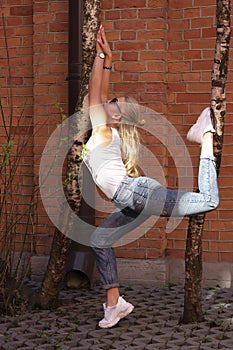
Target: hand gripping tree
61, 243
193, 256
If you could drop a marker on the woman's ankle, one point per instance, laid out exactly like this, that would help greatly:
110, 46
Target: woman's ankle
207, 144
112, 296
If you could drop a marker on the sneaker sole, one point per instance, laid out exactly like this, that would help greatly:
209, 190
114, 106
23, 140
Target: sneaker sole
117, 319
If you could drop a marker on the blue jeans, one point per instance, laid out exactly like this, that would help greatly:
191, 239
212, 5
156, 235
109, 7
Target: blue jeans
139, 198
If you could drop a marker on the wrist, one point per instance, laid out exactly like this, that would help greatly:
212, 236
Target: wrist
100, 54
108, 61
108, 56
107, 67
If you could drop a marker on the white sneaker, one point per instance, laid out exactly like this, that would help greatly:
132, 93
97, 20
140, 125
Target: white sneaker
202, 125
113, 314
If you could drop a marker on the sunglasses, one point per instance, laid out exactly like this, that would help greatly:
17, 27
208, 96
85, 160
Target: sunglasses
115, 101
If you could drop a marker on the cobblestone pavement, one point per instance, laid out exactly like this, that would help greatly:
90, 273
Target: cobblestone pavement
153, 325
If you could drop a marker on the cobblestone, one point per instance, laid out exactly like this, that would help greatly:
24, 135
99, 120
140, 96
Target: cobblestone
153, 325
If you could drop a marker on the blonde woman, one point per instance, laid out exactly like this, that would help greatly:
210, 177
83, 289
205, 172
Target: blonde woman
112, 160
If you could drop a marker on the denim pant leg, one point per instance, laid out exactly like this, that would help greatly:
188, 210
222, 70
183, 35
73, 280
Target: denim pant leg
175, 203
107, 267
109, 231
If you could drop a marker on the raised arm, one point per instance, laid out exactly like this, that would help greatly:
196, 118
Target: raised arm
104, 46
99, 80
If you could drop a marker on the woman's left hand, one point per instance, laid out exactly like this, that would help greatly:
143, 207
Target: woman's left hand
102, 43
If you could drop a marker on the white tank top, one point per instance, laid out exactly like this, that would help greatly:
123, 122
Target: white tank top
105, 164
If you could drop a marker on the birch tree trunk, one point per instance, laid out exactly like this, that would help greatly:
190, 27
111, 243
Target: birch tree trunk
61, 243
193, 256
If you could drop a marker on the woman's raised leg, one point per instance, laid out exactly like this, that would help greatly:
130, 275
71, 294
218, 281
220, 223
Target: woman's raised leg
165, 202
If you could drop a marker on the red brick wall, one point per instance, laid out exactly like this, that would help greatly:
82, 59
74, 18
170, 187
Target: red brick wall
37, 39
50, 67
163, 53
16, 92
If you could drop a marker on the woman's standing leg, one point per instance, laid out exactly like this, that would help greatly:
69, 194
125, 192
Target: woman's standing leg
107, 233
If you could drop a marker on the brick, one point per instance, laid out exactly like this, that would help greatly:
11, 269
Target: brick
191, 76
152, 77
106, 5
130, 56
130, 66
58, 47
130, 253
153, 13
15, 42
113, 15
58, 27
157, 3
197, 87
178, 67
192, 12
192, 54
197, 97
151, 55
130, 24
156, 66
156, 87
225, 257
203, 3
158, 97
178, 4
157, 45
41, 28
130, 3
43, 18
179, 87
43, 37
208, 11
203, 44
129, 14
177, 25
152, 24
204, 65
21, 11
128, 35
151, 34
192, 34
62, 17
24, 30
58, 6
174, 46
201, 22
149, 243
131, 76
153, 254
14, 80
175, 14
41, 7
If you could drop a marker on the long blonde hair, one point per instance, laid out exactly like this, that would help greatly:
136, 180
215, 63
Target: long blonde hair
129, 135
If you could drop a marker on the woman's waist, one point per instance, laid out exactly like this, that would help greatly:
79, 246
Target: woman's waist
109, 181
131, 184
